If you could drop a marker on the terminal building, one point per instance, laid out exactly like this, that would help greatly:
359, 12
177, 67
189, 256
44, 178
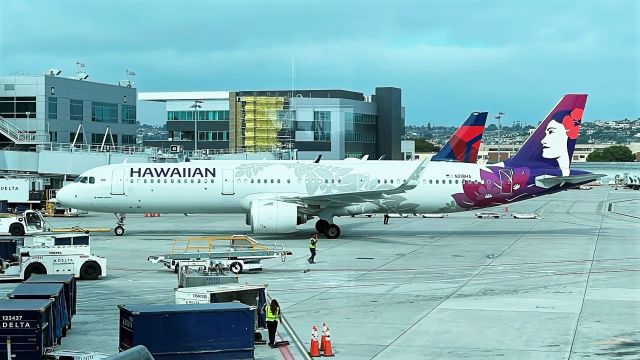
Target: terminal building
336, 124
50, 108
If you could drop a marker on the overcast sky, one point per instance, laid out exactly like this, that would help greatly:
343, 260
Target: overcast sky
448, 57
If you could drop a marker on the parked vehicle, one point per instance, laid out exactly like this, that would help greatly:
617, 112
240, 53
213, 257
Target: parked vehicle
25, 223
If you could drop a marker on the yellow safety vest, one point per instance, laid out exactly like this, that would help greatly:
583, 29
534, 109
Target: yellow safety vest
312, 244
270, 316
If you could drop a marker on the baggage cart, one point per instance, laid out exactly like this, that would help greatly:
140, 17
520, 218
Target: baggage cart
55, 292
193, 332
27, 326
237, 252
70, 288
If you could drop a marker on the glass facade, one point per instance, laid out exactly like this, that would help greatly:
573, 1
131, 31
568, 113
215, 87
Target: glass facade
210, 115
76, 109
360, 128
128, 114
18, 107
96, 139
213, 136
53, 108
321, 125
104, 112
128, 139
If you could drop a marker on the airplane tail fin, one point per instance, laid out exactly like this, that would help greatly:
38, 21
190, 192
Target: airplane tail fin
554, 140
465, 142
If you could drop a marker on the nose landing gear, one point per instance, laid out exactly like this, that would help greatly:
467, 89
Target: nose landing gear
119, 229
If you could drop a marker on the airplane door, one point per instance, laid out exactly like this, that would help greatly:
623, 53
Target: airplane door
227, 182
506, 181
363, 180
117, 182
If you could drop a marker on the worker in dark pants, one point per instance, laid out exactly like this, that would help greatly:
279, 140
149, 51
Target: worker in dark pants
312, 248
386, 219
272, 315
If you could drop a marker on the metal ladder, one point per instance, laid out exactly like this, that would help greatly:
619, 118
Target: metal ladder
18, 135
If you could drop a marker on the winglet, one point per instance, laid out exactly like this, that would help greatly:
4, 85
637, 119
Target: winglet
414, 179
317, 160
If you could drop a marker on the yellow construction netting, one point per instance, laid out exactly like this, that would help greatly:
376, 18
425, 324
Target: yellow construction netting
261, 121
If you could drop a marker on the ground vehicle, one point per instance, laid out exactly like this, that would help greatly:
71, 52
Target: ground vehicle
238, 252
20, 257
28, 222
487, 214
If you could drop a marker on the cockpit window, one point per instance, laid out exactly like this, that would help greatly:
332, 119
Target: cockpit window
83, 180
92, 180
77, 179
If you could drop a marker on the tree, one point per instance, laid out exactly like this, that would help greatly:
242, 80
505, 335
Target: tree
615, 153
423, 146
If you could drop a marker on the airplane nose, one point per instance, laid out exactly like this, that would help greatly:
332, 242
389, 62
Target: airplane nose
63, 196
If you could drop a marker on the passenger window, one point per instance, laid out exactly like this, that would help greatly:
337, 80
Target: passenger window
333, 181
385, 181
165, 181
326, 181
199, 181
450, 181
306, 181
246, 181
437, 181
272, 181
193, 181
178, 181
239, 181
391, 181
205, 181
258, 181
145, 181
288, 181
172, 181
456, 181
131, 181
252, 181
339, 181
430, 181
299, 181
278, 181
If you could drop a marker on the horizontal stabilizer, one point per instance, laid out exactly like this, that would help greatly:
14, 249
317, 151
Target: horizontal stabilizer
549, 181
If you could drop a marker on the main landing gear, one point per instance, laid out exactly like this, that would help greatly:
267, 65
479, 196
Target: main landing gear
119, 229
331, 231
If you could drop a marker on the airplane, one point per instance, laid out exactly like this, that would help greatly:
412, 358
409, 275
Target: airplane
276, 196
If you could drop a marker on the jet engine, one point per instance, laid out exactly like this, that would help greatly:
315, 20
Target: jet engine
272, 216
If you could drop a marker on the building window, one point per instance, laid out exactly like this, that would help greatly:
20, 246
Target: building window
211, 115
128, 139
52, 114
76, 109
321, 126
213, 136
96, 139
18, 107
128, 114
53, 136
104, 112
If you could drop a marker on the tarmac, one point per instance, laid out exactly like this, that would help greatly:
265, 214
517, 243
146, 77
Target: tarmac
566, 286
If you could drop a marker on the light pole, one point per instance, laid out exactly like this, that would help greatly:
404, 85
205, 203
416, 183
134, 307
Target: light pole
498, 117
196, 105
28, 113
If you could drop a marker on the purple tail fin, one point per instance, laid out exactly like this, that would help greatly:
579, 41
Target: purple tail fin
465, 143
552, 143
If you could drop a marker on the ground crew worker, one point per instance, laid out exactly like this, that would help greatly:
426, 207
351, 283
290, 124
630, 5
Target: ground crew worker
272, 315
386, 219
312, 248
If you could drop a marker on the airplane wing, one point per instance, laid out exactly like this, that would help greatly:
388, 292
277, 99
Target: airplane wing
354, 197
571, 179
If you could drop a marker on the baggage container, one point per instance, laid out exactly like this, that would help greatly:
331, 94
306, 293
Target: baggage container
55, 292
196, 331
190, 276
253, 295
28, 324
70, 288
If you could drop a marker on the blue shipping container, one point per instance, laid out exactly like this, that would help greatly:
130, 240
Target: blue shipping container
27, 323
55, 292
193, 331
70, 287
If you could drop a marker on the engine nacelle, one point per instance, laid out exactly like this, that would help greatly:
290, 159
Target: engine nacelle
271, 216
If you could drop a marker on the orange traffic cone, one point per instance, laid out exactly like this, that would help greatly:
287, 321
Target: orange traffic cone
314, 351
324, 336
327, 345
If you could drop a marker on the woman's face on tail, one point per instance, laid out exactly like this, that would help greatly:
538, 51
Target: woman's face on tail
554, 143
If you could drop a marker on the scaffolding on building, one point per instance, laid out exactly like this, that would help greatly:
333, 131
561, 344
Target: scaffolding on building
266, 123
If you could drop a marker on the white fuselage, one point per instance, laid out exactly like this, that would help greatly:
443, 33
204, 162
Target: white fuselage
222, 186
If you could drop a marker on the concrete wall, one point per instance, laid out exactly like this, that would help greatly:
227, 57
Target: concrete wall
390, 122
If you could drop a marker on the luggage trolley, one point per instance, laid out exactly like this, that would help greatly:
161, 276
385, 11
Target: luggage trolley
237, 252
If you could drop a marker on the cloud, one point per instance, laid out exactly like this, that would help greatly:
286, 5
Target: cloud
449, 58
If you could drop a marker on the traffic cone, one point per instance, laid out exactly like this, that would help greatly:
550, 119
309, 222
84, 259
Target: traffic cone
324, 336
314, 351
327, 345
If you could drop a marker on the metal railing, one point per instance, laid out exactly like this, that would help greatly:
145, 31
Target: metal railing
122, 149
20, 136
